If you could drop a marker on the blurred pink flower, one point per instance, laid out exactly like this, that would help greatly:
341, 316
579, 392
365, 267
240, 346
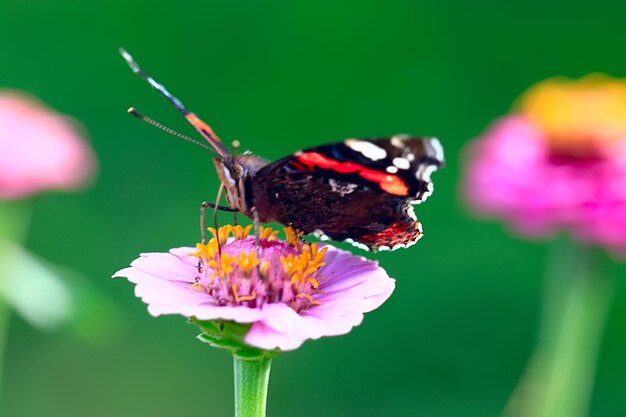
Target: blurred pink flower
39, 149
557, 163
295, 291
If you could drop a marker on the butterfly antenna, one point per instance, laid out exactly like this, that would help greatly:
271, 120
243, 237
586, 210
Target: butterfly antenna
166, 129
203, 128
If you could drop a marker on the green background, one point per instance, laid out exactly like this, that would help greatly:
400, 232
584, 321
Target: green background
279, 76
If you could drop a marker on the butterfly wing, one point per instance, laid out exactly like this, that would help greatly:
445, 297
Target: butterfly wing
361, 191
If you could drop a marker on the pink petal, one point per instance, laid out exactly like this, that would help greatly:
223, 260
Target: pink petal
62, 159
353, 286
510, 175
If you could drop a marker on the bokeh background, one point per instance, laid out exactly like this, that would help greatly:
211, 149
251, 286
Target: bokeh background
279, 76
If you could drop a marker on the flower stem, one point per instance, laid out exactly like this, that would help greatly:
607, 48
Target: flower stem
558, 381
14, 221
251, 383
4, 327
5, 313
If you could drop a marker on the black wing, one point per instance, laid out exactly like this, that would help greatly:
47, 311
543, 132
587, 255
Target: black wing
360, 191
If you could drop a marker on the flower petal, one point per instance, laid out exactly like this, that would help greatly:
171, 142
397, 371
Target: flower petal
352, 285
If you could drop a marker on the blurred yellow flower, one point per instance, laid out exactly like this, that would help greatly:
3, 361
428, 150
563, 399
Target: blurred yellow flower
578, 116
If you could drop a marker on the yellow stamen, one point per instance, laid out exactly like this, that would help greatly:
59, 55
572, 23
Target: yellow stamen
302, 268
267, 233
309, 298
264, 269
290, 264
292, 236
297, 278
221, 266
247, 263
240, 298
221, 234
207, 252
240, 232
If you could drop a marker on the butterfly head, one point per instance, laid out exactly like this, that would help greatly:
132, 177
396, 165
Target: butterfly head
234, 173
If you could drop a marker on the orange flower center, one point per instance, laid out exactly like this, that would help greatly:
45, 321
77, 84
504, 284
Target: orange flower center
238, 272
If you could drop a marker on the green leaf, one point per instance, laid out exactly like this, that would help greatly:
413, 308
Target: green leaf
96, 318
50, 296
32, 289
229, 335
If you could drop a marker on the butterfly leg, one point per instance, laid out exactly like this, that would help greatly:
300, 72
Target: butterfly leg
205, 205
203, 208
215, 208
257, 230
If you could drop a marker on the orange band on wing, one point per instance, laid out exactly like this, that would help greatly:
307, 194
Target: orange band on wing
387, 182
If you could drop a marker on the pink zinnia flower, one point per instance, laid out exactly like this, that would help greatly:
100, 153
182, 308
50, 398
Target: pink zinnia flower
286, 291
557, 163
39, 149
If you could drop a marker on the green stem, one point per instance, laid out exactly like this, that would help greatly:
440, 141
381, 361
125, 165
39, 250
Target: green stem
558, 381
5, 313
14, 222
251, 383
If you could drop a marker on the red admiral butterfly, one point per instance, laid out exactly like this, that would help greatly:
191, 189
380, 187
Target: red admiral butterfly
359, 191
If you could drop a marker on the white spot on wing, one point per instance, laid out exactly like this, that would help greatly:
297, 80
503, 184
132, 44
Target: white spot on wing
411, 212
357, 244
437, 148
423, 172
320, 235
368, 149
397, 142
401, 163
391, 169
425, 194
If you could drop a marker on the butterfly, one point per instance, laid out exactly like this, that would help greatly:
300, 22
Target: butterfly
361, 191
